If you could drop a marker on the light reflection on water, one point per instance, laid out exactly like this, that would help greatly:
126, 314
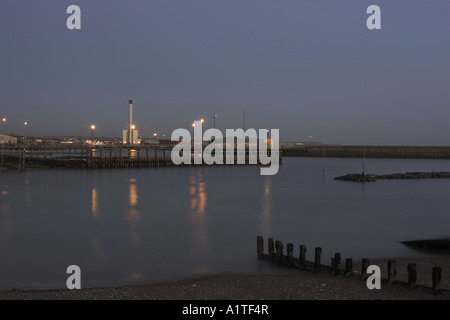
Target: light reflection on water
136, 225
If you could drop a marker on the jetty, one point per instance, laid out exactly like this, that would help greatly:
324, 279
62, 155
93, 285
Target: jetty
98, 157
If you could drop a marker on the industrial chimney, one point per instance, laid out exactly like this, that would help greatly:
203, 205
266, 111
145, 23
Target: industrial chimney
130, 135
130, 122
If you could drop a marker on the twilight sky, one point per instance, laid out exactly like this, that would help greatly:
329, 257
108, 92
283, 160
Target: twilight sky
304, 67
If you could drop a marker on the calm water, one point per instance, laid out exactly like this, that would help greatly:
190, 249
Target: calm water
126, 226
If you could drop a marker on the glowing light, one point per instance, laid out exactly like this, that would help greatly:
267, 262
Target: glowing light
133, 195
94, 204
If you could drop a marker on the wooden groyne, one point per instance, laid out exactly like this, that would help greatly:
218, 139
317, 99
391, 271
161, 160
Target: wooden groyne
83, 156
338, 151
354, 177
344, 268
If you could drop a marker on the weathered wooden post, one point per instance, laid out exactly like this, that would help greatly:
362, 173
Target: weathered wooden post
412, 275
290, 255
302, 257
348, 267
436, 277
335, 264
260, 247
317, 259
364, 265
392, 271
88, 158
22, 164
271, 250
279, 254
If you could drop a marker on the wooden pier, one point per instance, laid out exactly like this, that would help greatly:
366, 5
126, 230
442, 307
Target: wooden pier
91, 157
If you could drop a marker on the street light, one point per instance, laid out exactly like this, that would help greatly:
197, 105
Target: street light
4, 126
214, 116
25, 131
92, 133
243, 111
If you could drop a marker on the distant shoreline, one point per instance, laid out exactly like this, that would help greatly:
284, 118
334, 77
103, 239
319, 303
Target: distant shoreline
393, 176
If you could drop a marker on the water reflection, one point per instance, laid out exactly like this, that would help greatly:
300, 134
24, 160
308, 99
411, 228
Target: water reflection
133, 214
198, 215
194, 223
5, 222
94, 203
266, 207
97, 250
133, 195
136, 276
4, 189
5, 209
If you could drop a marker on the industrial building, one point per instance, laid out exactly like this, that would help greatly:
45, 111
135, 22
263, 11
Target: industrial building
4, 139
131, 134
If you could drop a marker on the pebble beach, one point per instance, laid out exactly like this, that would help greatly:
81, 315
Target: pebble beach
296, 286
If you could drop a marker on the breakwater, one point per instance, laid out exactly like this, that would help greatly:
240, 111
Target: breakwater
408, 175
342, 151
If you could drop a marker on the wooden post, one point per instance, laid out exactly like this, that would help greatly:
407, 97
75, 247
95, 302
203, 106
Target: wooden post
392, 271
348, 267
302, 257
271, 250
88, 158
23, 159
436, 277
364, 265
335, 265
279, 248
290, 255
412, 275
317, 259
260, 246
